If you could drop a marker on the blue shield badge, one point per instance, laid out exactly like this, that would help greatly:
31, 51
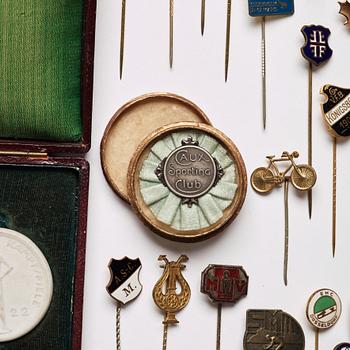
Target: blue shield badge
316, 49
270, 7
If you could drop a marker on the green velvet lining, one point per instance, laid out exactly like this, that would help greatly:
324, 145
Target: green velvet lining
43, 203
40, 52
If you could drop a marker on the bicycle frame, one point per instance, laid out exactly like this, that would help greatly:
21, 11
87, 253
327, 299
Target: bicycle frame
280, 174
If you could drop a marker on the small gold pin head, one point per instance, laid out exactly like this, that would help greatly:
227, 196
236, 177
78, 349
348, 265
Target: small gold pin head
165, 294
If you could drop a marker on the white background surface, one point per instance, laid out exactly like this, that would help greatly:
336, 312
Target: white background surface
255, 239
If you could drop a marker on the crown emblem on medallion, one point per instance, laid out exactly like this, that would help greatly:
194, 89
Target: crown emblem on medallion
189, 142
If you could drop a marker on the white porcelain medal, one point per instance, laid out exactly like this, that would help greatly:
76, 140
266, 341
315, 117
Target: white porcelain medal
25, 285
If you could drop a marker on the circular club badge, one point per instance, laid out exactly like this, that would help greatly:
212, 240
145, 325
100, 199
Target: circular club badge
342, 346
190, 171
25, 285
324, 308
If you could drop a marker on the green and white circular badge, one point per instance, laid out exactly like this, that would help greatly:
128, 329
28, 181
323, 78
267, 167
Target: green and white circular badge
324, 308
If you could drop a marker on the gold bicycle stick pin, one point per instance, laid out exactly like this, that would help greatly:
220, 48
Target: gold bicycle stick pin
165, 294
265, 179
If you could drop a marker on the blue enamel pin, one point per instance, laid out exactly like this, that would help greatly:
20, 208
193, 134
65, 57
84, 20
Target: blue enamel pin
270, 8
263, 8
316, 51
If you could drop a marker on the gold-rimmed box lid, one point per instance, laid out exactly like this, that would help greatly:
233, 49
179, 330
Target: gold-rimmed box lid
132, 123
187, 181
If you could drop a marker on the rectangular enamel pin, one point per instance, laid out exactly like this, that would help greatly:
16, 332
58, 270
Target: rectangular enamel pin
270, 7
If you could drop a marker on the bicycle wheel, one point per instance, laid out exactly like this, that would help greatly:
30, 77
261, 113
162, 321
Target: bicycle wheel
262, 180
306, 180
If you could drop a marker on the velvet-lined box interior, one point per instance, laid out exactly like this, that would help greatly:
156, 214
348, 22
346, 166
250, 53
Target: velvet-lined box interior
42, 202
40, 69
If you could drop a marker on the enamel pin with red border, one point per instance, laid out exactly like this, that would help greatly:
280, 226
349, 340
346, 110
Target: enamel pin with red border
224, 284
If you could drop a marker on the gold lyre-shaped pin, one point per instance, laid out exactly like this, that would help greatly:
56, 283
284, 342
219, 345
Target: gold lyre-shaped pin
165, 294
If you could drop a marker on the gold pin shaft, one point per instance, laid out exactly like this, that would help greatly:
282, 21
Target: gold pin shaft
122, 36
202, 16
334, 197
286, 231
228, 35
309, 195
118, 309
218, 328
171, 32
165, 336
263, 69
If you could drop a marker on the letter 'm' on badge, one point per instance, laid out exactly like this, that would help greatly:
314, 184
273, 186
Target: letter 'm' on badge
224, 283
124, 284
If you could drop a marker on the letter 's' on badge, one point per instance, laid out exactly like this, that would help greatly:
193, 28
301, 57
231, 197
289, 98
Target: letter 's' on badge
124, 284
